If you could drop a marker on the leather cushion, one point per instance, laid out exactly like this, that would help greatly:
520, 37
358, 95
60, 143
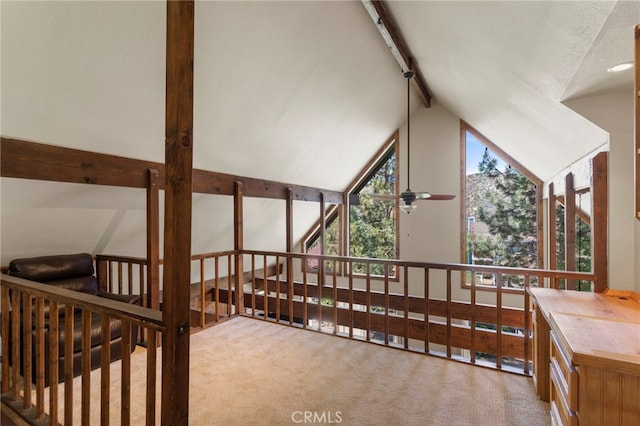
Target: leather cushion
51, 268
115, 326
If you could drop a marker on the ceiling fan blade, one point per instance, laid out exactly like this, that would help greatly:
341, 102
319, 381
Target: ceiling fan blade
385, 196
422, 195
439, 197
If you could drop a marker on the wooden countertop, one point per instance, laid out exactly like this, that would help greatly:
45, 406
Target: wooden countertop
596, 329
614, 305
599, 342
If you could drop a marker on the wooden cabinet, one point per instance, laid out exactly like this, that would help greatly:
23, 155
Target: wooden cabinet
587, 357
564, 386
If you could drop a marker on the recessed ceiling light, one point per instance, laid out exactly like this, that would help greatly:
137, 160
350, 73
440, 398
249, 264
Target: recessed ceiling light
621, 67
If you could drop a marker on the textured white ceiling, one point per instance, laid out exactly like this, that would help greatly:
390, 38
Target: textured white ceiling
300, 92
505, 67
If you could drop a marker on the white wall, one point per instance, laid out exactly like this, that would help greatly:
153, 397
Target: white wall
614, 113
431, 232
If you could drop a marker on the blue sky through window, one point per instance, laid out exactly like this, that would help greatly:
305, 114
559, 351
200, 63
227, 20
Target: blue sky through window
474, 151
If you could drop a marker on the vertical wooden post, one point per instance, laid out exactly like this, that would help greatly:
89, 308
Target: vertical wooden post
238, 239
153, 240
600, 221
323, 234
178, 206
637, 116
289, 232
570, 228
539, 226
553, 234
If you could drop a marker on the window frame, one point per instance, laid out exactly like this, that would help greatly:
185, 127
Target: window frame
464, 128
341, 212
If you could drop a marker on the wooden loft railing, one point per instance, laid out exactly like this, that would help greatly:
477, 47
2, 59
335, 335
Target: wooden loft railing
476, 313
440, 309
481, 323
39, 404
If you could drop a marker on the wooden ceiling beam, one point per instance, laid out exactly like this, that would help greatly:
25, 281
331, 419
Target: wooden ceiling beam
399, 49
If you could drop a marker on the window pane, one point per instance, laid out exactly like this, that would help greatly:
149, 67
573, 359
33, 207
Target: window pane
501, 216
372, 222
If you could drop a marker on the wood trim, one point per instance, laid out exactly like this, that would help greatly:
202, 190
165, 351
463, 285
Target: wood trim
637, 118
178, 207
553, 234
505, 156
29, 160
238, 239
153, 240
570, 228
600, 220
463, 192
386, 25
540, 235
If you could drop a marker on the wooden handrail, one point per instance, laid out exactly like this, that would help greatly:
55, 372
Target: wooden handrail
145, 317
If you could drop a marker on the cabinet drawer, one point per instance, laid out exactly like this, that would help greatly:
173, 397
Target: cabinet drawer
560, 411
566, 375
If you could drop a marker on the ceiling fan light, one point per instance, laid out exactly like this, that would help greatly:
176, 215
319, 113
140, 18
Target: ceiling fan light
407, 208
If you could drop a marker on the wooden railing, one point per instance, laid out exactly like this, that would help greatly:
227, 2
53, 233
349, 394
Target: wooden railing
481, 324
28, 335
470, 313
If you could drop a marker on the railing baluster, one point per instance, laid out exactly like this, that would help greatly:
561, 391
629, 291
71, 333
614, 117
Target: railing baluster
85, 414
129, 278
499, 321
15, 344
319, 286
151, 378
290, 287
253, 285
105, 371
449, 312
40, 349
202, 294
278, 288
406, 307
385, 269
527, 325
305, 291
68, 364
53, 360
120, 277
125, 377
110, 276
472, 349
335, 298
350, 265
216, 265
4, 300
265, 285
27, 350
368, 316
229, 286
427, 336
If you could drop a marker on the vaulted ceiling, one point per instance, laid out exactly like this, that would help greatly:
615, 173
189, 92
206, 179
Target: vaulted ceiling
305, 92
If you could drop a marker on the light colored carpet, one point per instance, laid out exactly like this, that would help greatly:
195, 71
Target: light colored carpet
250, 372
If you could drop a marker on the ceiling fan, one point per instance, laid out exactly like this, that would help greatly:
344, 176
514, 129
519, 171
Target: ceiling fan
408, 197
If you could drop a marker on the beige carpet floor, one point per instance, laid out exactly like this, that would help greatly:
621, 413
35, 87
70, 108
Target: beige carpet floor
250, 372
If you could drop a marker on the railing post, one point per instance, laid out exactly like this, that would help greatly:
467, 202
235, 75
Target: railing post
102, 273
178, 211
153, 241
238, 237
289, 232
600, 236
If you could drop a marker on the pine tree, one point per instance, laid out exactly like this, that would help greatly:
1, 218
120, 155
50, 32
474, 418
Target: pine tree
510, 213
